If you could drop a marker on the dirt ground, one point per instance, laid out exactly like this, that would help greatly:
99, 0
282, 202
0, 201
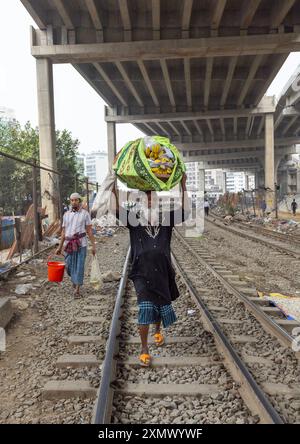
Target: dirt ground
36, 337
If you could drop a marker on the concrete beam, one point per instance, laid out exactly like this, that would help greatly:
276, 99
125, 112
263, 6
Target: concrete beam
164, 67
129, 83
235, 126
254, 67
207, 83
245, 143
171, 49
280, 11
276, 67
261, 126
210, 128
186, 17
123, 5
174, 128
188, 83
218, 7
186, 128
223, 128
293, 98
112, 86
150, 128
64, 13
156, 19
248, 11
148, 82
230, 165
86, 77
242, 154
231, 68
163, 129
291, 111
263, 108
36, 13
95, 17
289, 124
198, 127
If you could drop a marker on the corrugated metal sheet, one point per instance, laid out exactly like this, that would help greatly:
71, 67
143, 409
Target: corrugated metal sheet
7, 233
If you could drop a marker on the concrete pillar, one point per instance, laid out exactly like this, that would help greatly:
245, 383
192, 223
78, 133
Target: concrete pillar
246, 181
201, 177
111, 142
224, 182
298, 181
256, 179
49, 181
269, 160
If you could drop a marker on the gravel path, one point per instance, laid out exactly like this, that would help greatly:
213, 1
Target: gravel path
267, 269
35, 339
226, 406
283, 366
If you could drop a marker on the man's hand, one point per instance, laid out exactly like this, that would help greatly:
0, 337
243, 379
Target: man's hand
58, 251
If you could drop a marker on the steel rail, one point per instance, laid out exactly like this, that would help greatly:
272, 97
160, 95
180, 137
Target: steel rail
102, 402
257, 396
290, 237
268, 324
252, 237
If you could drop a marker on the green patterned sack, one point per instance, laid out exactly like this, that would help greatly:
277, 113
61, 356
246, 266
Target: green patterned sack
132, 167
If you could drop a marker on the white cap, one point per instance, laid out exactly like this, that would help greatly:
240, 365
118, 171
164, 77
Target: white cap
75, 196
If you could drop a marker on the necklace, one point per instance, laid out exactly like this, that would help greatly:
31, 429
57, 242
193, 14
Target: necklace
151, 233
156, 229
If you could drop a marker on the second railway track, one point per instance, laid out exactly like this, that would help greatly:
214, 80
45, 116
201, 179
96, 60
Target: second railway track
274, 240
216, 366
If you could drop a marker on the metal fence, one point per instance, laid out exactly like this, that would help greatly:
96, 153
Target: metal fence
24, 223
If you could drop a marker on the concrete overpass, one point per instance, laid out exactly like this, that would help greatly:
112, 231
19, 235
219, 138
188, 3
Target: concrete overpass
193, 70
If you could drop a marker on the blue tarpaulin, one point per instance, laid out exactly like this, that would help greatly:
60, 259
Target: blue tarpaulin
7, 233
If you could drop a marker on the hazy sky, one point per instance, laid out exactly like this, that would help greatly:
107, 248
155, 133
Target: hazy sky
78, 108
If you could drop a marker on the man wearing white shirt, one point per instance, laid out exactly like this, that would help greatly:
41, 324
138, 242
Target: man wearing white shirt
75, 228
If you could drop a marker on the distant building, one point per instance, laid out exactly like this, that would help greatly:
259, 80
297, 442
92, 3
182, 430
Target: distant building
236, 181
95, 165
214, 180
7, 114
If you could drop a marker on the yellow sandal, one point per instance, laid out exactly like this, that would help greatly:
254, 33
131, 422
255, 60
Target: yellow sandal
145, 360
159, 339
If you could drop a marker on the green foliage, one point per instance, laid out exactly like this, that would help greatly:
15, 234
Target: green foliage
16, 178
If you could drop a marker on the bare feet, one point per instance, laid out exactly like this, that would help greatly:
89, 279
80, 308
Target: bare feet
76, 291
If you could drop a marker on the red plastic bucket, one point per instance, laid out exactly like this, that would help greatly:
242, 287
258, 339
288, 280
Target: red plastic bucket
56, 271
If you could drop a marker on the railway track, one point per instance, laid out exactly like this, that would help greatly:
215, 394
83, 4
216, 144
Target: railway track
214, 367
277, 244
201, 375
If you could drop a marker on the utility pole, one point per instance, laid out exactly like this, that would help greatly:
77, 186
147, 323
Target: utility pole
35, 210
276, 201
87, 193
253, 202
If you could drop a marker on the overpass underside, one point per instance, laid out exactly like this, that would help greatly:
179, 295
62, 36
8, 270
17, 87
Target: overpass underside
196, 71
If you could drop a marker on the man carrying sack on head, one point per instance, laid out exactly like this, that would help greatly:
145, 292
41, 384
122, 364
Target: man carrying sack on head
75, 228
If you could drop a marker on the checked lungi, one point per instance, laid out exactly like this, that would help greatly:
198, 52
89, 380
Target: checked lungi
150, 313
75, 265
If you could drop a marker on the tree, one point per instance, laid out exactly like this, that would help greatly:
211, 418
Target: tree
16, 178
